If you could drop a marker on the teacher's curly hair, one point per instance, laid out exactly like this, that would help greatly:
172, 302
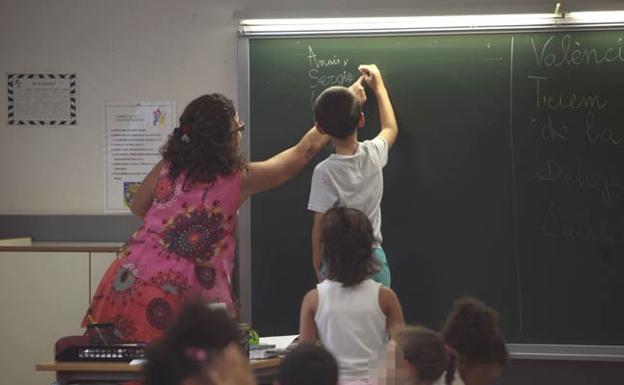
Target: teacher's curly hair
204, 145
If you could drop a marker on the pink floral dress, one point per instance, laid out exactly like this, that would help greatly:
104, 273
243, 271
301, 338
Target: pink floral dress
185, 248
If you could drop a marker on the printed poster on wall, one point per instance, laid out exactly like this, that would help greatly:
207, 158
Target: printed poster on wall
41, 99
134, 135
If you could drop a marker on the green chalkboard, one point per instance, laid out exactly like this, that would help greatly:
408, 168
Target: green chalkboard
505, 182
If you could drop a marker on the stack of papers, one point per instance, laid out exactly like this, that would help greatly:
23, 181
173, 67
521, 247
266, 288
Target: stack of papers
271, 347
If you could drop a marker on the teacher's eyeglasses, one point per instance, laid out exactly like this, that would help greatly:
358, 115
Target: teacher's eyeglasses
240, 126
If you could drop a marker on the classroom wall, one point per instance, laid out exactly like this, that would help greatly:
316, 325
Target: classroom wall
142, 50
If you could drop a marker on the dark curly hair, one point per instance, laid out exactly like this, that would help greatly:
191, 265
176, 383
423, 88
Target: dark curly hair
471, 330
198, 328
337, 111
424, 350
210, 149
308, 364
347, 245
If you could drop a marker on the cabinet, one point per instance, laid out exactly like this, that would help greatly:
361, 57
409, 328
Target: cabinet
46, 289
44, 297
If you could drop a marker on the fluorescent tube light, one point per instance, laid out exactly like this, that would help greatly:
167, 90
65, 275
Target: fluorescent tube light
595, 18
393, 24
356, 25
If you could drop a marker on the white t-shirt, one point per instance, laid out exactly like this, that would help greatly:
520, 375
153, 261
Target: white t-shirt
351, 325
354, 181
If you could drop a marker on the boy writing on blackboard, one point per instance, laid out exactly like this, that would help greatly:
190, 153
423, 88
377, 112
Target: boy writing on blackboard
352, 177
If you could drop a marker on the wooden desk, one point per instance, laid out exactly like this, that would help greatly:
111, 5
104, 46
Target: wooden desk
69, 372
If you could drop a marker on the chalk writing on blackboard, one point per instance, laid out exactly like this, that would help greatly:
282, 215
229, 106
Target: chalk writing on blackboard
571, 52
584, 225
328, 71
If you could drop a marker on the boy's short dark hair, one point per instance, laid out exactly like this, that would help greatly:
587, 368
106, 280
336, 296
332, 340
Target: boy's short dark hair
347, 245
337, 111
308, 364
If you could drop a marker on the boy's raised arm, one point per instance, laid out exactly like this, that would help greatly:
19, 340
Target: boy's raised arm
389, 128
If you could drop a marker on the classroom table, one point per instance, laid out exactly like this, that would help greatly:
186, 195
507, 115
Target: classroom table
71, 372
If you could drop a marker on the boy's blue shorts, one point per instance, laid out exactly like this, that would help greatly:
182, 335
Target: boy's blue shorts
383, 274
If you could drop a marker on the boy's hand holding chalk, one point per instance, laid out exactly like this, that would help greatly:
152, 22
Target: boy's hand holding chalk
358, 90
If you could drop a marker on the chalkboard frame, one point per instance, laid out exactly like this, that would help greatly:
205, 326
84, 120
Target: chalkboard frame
565, 352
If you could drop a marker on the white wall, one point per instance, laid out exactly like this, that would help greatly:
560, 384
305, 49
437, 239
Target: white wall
138, 50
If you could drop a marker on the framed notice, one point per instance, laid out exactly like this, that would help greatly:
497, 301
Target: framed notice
134, 135
41, 99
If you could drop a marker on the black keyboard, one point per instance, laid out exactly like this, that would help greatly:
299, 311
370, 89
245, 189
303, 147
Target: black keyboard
103, 353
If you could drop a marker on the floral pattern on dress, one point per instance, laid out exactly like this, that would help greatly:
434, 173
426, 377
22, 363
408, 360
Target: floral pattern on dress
198, 233
125, 277
206, 276
166, 191
172, 282
184, 247
159, 313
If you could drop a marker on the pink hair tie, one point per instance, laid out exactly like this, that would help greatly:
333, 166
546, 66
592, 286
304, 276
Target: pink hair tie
195, 354
450, 351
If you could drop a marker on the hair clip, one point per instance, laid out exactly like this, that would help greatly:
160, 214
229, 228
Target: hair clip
186, 130
450, 351
195, 354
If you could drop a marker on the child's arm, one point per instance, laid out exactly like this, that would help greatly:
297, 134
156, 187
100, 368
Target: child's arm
316, 245
391, 307
142, 200
389, 128
358, 90
307, 326
265, 175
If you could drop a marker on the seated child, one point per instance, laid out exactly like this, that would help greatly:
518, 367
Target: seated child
476, 346
349, 312
416, 356
352, 177
200, 347
308, 364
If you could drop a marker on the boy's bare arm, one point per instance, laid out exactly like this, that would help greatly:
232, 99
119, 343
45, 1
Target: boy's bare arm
389, 127
316, 245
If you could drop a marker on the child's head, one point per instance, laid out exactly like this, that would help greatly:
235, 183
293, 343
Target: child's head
206, 144
423, 349
308, 364
347, 245
338, 112
201, 344
475, 341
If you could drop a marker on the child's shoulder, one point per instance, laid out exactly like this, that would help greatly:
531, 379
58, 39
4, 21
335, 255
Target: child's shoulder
386, 295
323, 167
377, 142
311, 299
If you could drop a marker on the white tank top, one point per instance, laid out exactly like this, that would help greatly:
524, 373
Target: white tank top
351, 325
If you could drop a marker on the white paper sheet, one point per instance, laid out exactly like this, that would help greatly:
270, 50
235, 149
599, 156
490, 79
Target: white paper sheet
134, 135
280, 342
